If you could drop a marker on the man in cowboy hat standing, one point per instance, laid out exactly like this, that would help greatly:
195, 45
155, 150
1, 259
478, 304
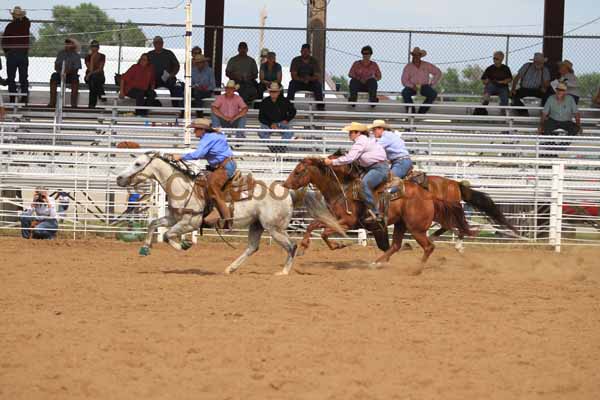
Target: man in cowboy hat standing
276, 112
70, 56
229, 110
213, 148
420, 77
394, 147
371, 156
534, 78
15, 43
203, 80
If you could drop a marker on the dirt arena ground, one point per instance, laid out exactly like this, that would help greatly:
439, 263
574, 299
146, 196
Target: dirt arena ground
93, 320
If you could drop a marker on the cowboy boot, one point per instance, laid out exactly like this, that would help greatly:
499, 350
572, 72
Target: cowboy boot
225, 214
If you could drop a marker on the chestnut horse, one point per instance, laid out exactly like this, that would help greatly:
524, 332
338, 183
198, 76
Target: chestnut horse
413, 212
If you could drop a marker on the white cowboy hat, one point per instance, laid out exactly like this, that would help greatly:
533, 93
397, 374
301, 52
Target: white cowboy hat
418, 51
18, 12
379, 123
200, 123
231, 84
200, 58
355, 126
274, 87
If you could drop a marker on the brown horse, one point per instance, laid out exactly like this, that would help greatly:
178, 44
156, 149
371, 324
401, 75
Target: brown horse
413, 212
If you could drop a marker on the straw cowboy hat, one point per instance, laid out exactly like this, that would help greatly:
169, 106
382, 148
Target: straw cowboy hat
379, 123
200, 58
231, 84
418, 52
355, 126
200, 123
274, 87
568, 64
18, 12
561, 86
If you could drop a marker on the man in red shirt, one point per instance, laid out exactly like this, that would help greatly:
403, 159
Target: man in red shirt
15, 43
229, 110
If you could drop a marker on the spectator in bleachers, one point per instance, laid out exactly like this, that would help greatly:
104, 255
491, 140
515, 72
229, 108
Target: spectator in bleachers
306, 75
166, 68
70, 56
534, 78
40, 220
264, 53
138, 83
276, 112
567, 76
229, 110
15, 43
203, 81
243, 70
364, 75
94, 76
496, 78
270, 71
420, 77
196, 51
559, 112
394, 146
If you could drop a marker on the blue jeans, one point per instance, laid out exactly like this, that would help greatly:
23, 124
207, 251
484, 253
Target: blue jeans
375, 176
287, 135
17, 60
400, 167
239, 123
501, 91
46, 229
426, 90
230, 168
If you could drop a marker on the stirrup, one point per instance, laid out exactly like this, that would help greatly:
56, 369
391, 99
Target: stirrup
373, 218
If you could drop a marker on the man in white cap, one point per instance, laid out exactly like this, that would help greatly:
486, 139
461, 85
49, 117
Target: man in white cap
229, 110
559, 112
370, 156
420, 76
534, 78
15, 43
213, 148
394, 147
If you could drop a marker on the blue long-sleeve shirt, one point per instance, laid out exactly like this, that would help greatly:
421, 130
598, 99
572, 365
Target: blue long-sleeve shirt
213, 147
206, 77
393, 144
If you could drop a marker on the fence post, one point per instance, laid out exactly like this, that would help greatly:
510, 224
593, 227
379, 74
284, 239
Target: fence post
120, 48
558, 174
162, 206
409, 45
507, 49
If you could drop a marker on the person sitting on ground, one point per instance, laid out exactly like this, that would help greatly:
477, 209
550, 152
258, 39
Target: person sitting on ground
229, 110
534, 78
420, 76
243, 70
166, 68
567, 76
203, 81
270, 71
496, 78
394, 146
559, 112
213, 147
138, 83
306, 75
70, 56
40, 221
371, 156
276, 112
94, 76
15, 43
364, 75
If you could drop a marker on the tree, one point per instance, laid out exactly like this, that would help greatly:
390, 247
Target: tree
84, 22
342, 81
589, 84
468, 81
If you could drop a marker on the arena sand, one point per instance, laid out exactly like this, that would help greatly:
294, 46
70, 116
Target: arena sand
93, 320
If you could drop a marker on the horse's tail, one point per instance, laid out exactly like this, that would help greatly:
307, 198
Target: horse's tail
316, 208
451, 215
484, 203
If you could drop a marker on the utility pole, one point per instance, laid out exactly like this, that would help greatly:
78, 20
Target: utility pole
188, 73
554, 25
214, 15
316, 22
261, 33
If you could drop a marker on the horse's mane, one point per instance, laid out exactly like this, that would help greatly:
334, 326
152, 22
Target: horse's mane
179, 166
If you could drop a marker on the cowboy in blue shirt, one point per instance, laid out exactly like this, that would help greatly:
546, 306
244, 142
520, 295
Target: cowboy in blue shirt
213, 147
394, 146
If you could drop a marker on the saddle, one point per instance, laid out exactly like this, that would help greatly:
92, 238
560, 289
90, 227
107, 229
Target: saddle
418, 177
238, 188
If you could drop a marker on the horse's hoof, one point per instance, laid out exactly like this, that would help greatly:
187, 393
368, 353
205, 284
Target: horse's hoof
185, 245
144, 251
375, 265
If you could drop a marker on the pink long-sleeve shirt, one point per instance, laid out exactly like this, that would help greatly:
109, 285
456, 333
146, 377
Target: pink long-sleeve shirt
366, 150
422, 75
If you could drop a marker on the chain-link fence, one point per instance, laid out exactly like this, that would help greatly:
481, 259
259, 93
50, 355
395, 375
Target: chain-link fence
462, 56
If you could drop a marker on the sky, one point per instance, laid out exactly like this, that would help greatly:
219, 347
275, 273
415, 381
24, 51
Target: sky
390, 49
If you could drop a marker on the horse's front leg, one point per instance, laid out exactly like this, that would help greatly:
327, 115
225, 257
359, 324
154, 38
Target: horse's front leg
332, 245
152, 227
187, 224
307, 235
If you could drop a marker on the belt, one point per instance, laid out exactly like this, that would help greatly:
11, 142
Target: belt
400, 158
375, 164
223, 163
